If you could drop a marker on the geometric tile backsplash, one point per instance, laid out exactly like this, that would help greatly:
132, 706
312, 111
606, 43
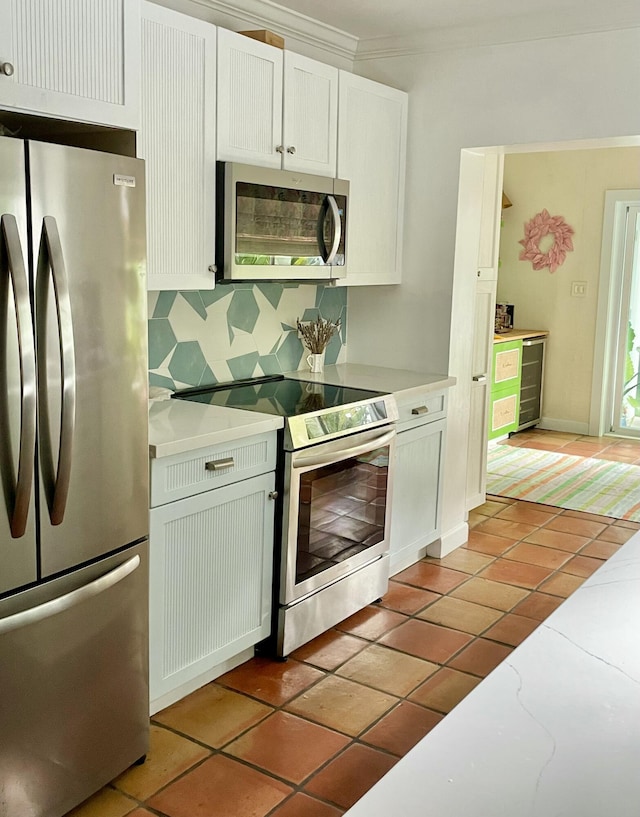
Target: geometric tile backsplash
199, 338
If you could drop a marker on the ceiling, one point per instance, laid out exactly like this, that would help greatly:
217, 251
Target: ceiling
385, 21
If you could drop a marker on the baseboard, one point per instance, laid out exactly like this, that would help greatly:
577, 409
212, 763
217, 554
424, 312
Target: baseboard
568, 426
195, 683
405, 558
449, 541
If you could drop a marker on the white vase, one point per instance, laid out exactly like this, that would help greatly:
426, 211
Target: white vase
316, 362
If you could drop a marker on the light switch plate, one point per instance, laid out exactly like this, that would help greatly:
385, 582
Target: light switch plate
578, 289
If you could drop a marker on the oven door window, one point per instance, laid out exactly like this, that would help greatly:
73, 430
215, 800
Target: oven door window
276, 226
341, 512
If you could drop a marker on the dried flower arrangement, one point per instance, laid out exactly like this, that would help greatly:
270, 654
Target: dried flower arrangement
317, 334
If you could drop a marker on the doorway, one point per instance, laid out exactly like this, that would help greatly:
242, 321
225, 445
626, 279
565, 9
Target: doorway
625, 396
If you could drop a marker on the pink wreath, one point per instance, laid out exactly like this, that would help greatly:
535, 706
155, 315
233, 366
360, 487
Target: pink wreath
535, 230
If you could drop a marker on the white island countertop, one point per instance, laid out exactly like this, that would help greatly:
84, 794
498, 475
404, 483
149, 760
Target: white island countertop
176, 426
377, 378
553, 731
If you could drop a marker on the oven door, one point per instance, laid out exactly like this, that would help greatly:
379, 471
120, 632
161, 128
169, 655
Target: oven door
337, 502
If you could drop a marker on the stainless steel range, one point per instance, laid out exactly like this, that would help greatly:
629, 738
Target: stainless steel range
334, 486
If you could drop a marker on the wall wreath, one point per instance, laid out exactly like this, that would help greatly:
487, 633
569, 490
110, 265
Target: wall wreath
542, 225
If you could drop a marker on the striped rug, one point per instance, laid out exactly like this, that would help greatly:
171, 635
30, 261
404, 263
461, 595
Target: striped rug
577, 483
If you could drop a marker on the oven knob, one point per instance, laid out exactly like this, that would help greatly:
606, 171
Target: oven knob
273, 495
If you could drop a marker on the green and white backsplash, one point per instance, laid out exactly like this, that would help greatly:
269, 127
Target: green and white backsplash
235, 331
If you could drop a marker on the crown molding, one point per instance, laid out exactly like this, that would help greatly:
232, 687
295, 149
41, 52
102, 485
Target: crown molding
241, 14
502, 32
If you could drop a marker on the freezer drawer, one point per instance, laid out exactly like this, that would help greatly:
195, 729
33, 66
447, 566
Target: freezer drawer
73, 681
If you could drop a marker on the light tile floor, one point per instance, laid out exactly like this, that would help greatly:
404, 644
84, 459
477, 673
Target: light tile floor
308, 737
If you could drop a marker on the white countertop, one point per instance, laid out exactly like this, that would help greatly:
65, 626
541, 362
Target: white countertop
553, 731
176, 426
377, 378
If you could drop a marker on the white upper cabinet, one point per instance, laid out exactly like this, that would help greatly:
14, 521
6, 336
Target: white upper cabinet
372, 136
177, 140
249, 100
310, 119
71, 59
275, 108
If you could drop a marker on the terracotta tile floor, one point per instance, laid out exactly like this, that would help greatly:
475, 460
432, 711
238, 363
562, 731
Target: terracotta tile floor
308, 737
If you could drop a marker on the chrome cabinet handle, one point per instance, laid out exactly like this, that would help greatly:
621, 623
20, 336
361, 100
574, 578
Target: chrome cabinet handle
64, 602
273, 494
219, 465
6, 68
212, 268
50, 257
420, 410
27, 354
279, 148
291, 149
479, 378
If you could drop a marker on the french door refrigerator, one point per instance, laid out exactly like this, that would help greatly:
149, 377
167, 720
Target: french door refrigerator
74, 474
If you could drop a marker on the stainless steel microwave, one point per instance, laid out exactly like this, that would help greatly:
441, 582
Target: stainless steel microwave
277, 225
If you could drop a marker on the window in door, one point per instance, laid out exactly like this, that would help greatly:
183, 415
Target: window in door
625, 415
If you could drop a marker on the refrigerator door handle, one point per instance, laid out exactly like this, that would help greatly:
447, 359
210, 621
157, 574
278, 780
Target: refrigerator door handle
64, 602
51, 257
26, 351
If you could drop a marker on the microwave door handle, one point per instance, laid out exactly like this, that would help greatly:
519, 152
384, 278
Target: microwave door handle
322, 217
337, 229
26, 351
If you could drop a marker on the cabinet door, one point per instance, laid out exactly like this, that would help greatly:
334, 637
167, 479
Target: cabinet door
489, 244
415, 503
71, 59
249, 101
505, 388
209, 580
177, 140
371, 154
481, 368
310, 124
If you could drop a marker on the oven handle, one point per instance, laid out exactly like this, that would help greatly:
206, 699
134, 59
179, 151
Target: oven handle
315, 460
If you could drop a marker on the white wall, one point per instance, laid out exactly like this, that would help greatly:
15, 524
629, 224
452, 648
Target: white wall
545, 91
571, 184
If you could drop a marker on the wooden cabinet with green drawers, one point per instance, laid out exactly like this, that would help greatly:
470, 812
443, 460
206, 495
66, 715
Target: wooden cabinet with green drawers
505, 388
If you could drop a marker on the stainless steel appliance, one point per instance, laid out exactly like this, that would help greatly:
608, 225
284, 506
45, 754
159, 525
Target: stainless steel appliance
74, 467
334, 486
279, 225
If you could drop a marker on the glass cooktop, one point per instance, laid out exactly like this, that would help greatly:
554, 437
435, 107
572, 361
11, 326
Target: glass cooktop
277, 395
313, 411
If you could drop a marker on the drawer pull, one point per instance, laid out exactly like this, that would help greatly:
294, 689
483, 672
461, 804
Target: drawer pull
219, 465
420, 410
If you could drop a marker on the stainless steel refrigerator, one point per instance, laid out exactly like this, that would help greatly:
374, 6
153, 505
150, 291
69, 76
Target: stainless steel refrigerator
74, 472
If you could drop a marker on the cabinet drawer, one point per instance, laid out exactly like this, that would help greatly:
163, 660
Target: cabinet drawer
423, 408
193, 472
504, 415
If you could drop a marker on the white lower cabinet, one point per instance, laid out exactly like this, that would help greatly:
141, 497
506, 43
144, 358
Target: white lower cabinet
210, 578
415, 503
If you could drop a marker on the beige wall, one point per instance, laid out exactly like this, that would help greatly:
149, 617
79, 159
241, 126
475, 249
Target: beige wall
571, 184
